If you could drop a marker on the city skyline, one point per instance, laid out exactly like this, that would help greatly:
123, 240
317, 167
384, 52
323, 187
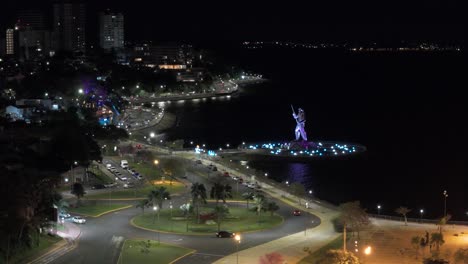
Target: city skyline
238, 21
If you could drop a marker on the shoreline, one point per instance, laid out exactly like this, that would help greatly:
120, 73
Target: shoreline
198, 95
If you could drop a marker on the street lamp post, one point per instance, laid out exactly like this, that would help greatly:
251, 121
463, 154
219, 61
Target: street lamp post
378, 209
155, 209
156, 162
445, 202
238, 240
421, 212
170, 206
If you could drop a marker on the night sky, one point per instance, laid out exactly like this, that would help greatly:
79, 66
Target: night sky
285, 20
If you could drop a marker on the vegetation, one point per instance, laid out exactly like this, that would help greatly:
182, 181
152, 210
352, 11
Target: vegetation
316, 255
221, 192
78, 191
437, 240
237, 220
198, 193
334, 256
220, 212
149, 251
145, 203
298, 190
96, 209
248, 196
353, 216
403, 211
157, 197
461, 256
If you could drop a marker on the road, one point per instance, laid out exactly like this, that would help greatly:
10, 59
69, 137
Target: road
103, 237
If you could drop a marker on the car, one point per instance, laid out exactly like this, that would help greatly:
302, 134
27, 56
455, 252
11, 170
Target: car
198, 162
225, 234
64, 215
226, 174
79, 220
241, 180
124, 164
123, 178
235, 178
245, 183
136, 175
140, 177
129, 185
118, 173
214, 168
110, 185
108, 165
251, 185
296, 213
98, 186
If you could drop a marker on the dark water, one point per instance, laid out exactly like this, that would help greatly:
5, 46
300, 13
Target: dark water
409, 109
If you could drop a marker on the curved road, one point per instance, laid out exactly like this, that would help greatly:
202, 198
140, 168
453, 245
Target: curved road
102, 238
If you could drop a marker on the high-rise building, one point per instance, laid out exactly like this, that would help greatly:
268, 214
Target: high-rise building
111, 30
69, 26
11, 41
32, 19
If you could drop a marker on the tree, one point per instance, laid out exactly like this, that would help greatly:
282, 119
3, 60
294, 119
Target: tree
145, 203
403, 211
260, 203
336, 256
78, 191
220, 192
461, 256
352, 215
198, 193
416, 243
220, 211
435, 261
157, 197
248, 196
437, 239
272, 258
443, 221
298, 189
272, 207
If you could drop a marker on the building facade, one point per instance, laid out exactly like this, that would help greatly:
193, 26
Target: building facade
69, 26
111, 31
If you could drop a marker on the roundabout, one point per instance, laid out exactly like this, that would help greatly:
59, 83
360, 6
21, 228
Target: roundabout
239, 219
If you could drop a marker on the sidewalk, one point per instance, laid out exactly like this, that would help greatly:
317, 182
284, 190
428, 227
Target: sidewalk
70, 235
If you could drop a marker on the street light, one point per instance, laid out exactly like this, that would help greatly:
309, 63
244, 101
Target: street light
237, 237
445, 202
152, 134
170, 206
378, 209
368, 250
287, 182
421, 212
155, 209
310, 192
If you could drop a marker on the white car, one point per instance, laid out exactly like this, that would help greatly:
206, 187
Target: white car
79, 220
108, 165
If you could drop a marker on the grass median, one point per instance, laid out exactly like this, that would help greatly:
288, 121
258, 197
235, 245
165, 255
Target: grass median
150, 251
95, 209
45, 242
320, 253
238, 220
137, 192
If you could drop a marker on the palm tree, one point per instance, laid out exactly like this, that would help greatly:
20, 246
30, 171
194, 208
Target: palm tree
403, 211
272, 207
248, 196
158, 196
221, 192
260, 202
198, 192
145, 203
221, 211
437, 239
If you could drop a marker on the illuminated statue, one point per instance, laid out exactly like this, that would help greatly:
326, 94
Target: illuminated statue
300, 127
